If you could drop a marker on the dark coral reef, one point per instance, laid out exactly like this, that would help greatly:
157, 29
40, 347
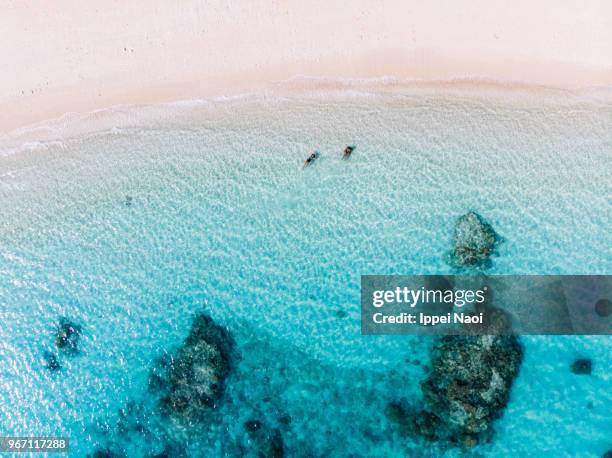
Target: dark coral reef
67, 336
468, 386
192, 381
260, 440
474, 241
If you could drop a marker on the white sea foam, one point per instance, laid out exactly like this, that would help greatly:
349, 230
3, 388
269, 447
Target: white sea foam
296, 88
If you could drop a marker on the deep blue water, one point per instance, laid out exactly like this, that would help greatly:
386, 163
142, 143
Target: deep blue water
223, 219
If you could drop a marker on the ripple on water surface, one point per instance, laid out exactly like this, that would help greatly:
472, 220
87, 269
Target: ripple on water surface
132, 231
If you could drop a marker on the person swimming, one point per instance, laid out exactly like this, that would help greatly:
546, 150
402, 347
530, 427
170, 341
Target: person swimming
347, 152
310, 159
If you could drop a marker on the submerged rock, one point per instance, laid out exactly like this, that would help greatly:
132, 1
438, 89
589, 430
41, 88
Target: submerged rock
252, 425
400, 413
67, 336
495, 321
603, 308
170, 451
582, 366
261, 442
285, 419
474, 240
107, 453
132, 418
467, 388
193, 380
51, 361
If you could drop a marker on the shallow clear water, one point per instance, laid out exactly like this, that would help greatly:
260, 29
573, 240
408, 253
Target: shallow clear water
223, 219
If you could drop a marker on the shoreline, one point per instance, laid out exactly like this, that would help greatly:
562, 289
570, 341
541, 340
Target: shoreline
74, 124
77, 57
54, 104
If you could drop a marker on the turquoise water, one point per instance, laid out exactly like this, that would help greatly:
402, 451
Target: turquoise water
223, 219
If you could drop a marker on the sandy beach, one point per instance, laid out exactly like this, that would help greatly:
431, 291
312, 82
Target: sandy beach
70, 56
